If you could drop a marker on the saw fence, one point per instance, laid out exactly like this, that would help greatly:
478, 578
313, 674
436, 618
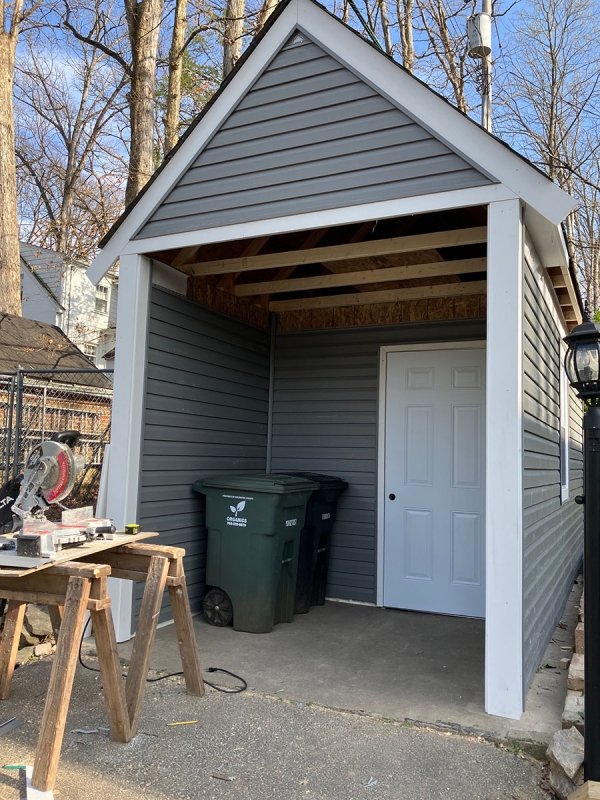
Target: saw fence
71, 588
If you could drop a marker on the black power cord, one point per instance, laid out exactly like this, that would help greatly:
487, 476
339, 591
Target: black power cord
237, 690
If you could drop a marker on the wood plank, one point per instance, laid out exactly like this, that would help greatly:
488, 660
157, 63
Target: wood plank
386, 296
186, 638
589, 791
80, 568
138, 549
425, 270
9, 644
322, 255
113, 685
52, 727
184, 255
70, 553
144, 639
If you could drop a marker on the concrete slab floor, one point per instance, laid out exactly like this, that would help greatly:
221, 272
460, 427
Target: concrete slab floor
396, 664
247, 746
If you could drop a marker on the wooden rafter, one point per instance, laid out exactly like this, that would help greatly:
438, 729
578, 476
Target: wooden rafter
386, 296
425, 270
403, 244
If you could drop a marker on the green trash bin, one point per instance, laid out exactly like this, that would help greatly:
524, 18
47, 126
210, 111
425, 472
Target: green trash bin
254, 523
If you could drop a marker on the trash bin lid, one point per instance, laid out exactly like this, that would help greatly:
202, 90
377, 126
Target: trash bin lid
324, 481
272, 483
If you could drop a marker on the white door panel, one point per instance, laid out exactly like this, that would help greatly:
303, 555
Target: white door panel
434, 557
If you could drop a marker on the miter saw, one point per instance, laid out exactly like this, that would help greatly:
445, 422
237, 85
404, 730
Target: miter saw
51, 470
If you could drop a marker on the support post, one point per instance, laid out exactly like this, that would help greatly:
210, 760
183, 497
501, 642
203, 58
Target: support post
135, 284
486, 78
591, 589
18, 420
504, 462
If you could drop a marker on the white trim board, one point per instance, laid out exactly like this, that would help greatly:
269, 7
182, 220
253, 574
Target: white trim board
476, 344
462, 134
504, 690
439, 201
135, 283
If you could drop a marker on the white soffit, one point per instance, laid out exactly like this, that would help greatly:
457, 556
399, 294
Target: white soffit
443, 120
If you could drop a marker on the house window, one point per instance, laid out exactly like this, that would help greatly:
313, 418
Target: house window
564, 435
89, 350
102, 299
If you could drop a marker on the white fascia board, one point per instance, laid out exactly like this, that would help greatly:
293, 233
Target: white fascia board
438, 201
443, 120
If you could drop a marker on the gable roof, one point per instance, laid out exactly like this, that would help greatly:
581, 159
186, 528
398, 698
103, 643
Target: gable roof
483, 155
30, 344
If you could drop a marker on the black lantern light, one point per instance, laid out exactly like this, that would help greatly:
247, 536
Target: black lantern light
582, 364
582, 361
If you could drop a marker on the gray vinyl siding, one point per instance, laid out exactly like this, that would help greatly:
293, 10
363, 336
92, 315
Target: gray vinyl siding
552, 531
206, 407
309, 135
325, 420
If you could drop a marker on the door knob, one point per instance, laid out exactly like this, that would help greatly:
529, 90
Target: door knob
392, 497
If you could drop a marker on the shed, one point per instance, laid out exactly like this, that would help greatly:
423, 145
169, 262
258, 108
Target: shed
338, 271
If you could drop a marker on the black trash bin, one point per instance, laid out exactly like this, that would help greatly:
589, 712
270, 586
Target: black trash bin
315, 540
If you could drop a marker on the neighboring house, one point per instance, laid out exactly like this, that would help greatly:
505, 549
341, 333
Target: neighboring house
55, 289
337, 271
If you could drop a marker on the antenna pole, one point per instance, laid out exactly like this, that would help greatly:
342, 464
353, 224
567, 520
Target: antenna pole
486, 90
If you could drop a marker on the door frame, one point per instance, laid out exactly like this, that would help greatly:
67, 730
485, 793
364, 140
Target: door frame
477, 344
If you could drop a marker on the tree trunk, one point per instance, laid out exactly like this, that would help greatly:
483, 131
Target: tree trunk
232, 36
267, 8
143, 22
171, 119
10, 269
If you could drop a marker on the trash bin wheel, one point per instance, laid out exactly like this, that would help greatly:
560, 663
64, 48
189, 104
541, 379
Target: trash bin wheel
218, 608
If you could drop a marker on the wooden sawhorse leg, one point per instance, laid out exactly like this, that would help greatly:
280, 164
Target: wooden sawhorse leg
158, 567
9, 644
77, 587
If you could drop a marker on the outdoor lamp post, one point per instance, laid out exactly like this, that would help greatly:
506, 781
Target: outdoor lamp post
582, 364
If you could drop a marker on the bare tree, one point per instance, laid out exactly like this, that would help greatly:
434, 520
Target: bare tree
549, 96
143, 19
233, 33
65, 133
171, 118
13, 16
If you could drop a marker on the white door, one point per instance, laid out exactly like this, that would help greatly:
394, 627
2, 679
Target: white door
434, 534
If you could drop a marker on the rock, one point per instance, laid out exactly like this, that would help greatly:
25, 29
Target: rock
37, 621
44, 649
564, 663
27, 639
566, 752
563, 786
576, 677
579, 638
24, 654
573, 713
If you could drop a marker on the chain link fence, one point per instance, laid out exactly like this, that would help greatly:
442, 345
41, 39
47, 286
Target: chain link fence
35, 404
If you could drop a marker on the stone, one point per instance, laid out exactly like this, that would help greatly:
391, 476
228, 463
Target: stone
573, 713
562, 786
579, 638
564, 663
566, 752
576, 677
37, 621
44, 649
27, 639
24, 654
